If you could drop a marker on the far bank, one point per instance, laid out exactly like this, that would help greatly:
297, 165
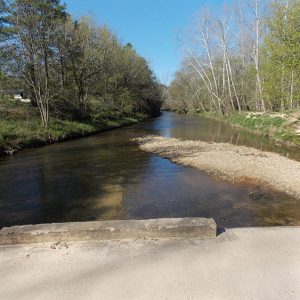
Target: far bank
26, 134
282, 128
21, 124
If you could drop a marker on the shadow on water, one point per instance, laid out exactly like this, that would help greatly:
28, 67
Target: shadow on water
106, 177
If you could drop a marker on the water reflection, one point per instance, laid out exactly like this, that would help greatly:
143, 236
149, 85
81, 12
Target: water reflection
195, 128
107, 177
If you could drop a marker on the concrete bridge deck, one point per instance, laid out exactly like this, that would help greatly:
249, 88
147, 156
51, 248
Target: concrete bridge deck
249, 263
110, 230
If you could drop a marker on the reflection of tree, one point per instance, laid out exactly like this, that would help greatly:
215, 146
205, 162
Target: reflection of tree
108, 177
193, 128
70, 184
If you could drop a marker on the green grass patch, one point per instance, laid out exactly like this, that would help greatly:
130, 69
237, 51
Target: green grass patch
272, 125
20, 126
19, 134
262, 123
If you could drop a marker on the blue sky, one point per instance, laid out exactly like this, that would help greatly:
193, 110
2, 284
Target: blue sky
150, 25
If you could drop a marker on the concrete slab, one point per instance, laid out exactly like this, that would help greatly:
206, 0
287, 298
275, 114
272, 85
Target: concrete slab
107, 230
250, 263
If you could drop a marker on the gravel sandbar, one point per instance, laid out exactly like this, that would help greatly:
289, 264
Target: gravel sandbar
229, 162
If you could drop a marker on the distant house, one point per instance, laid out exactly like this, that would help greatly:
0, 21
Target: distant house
16, 94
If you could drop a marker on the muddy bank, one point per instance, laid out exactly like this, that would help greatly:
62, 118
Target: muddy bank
229, 162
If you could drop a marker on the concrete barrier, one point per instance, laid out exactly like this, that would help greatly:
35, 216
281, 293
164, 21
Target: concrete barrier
106, 230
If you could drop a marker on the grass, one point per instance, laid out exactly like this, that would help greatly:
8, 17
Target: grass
261, 123
272, 125
20, 127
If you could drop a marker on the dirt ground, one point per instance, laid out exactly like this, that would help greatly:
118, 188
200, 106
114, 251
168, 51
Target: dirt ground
229, 162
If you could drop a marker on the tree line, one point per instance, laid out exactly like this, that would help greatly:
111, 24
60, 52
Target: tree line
246, 57
72, 69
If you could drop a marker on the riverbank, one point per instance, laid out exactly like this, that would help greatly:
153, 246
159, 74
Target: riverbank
229, 162
24, 134
283, 128
248, 263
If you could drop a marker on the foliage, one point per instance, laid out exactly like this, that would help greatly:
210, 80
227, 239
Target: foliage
244, 58
72, 69
17, 130
282, 56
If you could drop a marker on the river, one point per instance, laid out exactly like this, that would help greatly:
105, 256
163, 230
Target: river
106, 176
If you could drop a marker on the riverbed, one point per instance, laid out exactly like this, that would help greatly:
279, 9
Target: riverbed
106, 176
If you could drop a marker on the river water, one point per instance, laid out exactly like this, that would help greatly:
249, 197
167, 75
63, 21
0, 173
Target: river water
106, 177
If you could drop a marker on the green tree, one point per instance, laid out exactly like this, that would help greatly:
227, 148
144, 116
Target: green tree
30, 46
73, 69
282, 61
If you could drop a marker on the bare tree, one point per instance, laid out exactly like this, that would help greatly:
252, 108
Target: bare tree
221, 30
255, 8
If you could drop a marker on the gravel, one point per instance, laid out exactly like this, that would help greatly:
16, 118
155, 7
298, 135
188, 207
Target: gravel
229, 162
